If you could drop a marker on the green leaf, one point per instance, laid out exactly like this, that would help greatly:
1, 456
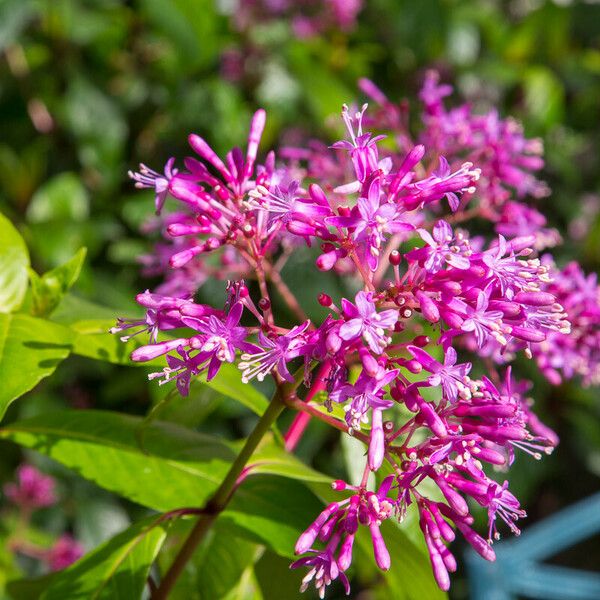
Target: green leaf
48, 290
220, 563
272, 511
277, 581
229, 382
188, 411
175, 467
354, 452
14, 261
272, 459
118, 569
90, 324
61, 198
220, 567
30, 349
190, 25
95, 119
14, 17
93, 340
544, 96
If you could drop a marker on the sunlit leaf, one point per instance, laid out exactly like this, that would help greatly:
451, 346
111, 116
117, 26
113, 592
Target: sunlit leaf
14, 261
48, 290
30, 349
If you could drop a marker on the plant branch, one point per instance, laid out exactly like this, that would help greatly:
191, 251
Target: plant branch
313, 411
223, 494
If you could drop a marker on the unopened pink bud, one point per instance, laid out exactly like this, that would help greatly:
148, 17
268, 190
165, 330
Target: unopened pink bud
414, 366
317, 194
382, 556
377, 442
440, 572
433, 420
306, 540
345, 556
154, 350
370, 365
325, 299
177, 229
428, 307
491, 456
181, 258
535, 298
445, 529
483, 548
395, 258
456, 501
338, 485
333, 342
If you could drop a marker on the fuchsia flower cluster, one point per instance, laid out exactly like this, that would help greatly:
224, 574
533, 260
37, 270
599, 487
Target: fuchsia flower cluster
383, 213
307, 17
32, 491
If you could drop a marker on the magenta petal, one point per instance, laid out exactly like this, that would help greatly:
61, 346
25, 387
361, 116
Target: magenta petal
364, 303
234, 316
351, 329
213, 368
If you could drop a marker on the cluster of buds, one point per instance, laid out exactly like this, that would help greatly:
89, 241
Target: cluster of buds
386, 220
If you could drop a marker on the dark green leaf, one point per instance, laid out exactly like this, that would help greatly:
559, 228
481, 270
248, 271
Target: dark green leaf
14, 16
219, 564
272, 511
118, 569
276, 580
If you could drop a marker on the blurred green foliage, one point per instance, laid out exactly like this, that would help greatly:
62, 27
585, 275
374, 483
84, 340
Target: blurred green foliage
90, 88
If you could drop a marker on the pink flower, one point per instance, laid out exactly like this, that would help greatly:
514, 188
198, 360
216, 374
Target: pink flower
65, 552
363, 319
32, 490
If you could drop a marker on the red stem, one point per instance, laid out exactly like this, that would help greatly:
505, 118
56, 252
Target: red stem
301, 420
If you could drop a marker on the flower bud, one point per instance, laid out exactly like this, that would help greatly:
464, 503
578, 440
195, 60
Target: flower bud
382, 556
325, 299
152, 351
395, 258
345, 555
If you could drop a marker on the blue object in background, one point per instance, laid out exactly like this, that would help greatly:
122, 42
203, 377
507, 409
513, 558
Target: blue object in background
517, 571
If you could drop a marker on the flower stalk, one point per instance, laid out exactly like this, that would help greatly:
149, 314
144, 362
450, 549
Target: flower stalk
222, 496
